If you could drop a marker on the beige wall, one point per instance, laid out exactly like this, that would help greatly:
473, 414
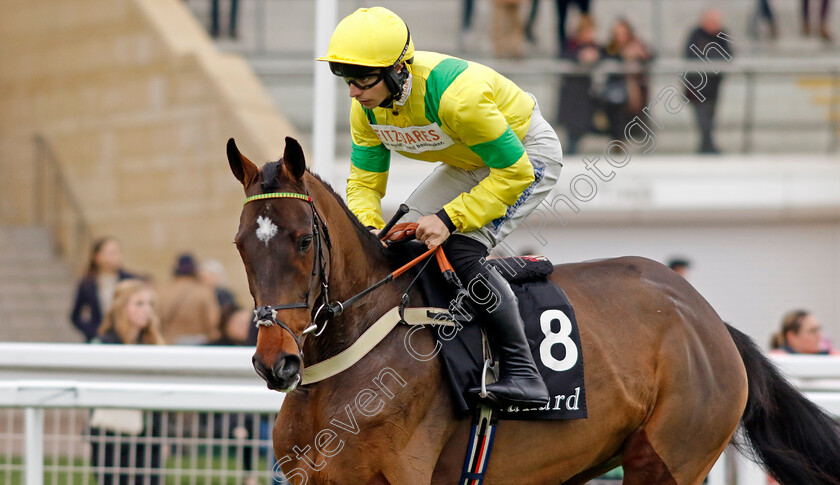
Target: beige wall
138, 105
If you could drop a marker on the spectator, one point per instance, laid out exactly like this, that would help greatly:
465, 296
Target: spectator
188, 309
704, 107
212, 274
764, 12
507, 29
806, 19
215, 32
625, 95
236, 330
466, 36
800, 333
96, 288
120, 437
576, 104
562, 13
681, 266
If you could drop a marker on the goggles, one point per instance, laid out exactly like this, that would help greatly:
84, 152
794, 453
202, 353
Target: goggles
362, 77
365, 82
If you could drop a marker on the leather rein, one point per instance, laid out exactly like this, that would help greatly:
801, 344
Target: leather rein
266, 315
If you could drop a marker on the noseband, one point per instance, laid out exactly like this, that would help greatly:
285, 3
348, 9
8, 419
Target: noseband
267, 315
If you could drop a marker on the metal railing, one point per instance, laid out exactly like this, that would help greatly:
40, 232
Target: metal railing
748, 82
38, 382
207, 415
56, 206
655, 20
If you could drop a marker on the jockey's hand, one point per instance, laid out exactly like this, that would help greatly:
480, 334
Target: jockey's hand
375, 232
432, 231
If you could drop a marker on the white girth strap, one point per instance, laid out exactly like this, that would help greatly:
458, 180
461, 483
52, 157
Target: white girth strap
368, 340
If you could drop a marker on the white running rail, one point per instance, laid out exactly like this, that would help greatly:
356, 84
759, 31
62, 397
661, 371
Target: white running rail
36, 377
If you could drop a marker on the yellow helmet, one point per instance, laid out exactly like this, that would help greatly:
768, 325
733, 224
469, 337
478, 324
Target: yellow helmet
370, 37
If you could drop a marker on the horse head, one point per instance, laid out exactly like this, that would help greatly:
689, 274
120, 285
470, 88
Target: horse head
281, 245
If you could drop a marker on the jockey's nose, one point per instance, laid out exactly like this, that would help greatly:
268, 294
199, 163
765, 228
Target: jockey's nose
354, 91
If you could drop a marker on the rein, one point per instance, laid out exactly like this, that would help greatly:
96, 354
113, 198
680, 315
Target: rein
267, 315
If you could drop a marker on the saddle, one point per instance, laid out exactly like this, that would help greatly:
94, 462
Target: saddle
550, 327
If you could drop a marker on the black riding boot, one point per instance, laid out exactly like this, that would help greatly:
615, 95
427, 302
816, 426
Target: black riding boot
520, 382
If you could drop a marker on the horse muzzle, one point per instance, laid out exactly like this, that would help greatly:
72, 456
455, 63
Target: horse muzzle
284, 375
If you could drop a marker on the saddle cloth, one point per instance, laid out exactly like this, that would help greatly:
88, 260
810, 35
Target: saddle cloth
550, 327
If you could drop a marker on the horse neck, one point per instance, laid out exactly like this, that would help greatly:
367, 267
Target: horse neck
353, 265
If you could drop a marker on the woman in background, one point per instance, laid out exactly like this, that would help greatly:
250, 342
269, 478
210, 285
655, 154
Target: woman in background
800, 333
625, 95
577, 107
121, 437
96, 288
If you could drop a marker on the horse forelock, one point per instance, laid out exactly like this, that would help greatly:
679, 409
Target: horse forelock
270, 182
275, 176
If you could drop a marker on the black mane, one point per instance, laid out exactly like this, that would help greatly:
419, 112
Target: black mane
372, 246
271, 183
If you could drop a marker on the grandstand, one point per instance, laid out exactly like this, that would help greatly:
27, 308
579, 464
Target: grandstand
114, 115
777, 128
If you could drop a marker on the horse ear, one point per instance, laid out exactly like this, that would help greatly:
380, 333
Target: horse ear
293, 158
242, 168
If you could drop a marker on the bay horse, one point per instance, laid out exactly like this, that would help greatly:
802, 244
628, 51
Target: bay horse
667, 382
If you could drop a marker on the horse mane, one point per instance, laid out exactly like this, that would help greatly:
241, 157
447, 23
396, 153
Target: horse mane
271, 174
371, 244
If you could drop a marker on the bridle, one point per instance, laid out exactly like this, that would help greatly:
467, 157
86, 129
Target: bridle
267, 315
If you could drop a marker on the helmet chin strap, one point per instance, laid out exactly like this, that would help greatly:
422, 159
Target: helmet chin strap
388, 101
396, 91
396, 88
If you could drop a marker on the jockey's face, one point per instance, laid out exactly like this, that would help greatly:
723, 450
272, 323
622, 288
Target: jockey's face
371, 97
370, 90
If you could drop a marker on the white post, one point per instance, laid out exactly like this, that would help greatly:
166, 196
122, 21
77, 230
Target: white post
323, 130
750, 473
34, 454
717, 475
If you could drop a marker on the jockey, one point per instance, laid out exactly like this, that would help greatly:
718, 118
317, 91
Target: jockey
500, 160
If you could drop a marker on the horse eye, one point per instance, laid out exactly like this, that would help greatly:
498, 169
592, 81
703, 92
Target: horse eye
304, 243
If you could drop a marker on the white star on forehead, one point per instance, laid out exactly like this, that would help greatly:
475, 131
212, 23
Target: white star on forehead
266, 229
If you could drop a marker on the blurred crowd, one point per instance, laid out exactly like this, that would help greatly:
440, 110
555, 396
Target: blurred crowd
116, 306
513, 28
612, 86
609, 85
800, 332
194, 307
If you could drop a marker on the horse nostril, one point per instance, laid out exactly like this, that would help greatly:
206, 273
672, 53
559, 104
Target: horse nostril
259, 367
287, 367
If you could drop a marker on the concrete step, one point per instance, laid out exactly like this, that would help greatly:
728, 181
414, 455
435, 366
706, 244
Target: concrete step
37, 303
30, 239
38, 329
36, 289
33, 273
42, 285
